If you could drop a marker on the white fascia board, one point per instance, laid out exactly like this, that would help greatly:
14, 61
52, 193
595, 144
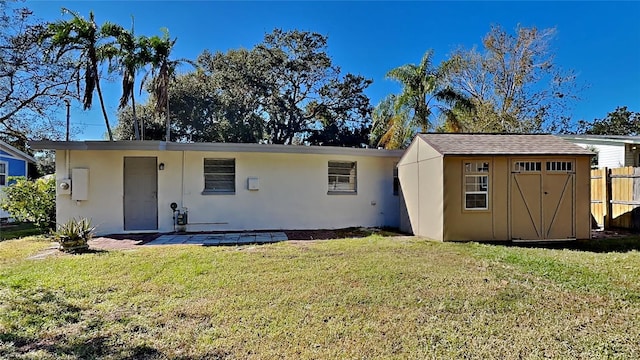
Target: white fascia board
15, 153
213, 147
599, 140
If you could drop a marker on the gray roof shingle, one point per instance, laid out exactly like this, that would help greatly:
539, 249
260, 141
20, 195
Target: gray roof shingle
502, 144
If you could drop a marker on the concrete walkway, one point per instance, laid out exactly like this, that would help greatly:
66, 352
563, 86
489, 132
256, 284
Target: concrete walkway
220, 239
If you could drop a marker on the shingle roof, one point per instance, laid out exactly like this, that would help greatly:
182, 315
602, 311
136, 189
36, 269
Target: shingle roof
507, 144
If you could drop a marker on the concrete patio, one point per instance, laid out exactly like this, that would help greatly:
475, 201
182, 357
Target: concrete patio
220, 239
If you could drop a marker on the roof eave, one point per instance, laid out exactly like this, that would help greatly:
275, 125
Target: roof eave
216, 147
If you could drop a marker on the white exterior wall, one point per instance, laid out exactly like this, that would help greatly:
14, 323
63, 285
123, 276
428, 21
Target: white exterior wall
609, 155
292, 194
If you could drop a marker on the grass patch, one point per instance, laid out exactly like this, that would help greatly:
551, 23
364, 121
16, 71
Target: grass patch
374, 297
15, 231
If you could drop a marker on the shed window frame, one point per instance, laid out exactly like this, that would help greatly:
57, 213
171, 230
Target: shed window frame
336, 174
219, 167
4, 173
478, 172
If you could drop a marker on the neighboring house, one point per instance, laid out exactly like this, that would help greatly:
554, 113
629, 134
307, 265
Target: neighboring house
495, 187
129, 186
612, 151
13, 162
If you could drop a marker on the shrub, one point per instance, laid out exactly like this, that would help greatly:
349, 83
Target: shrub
31, 201
74, 235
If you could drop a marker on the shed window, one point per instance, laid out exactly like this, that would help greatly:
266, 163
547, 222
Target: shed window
219, 176
3, 173
342, 177
527, 166
476, 185
559, 166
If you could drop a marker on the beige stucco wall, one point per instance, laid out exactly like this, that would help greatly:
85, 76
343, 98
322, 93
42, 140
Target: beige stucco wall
421, 180
292, 194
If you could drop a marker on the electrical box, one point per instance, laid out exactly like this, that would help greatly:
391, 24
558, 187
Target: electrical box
63, 186
253, 183
80, 189
182, 218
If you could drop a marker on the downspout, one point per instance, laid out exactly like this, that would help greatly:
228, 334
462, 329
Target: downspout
182, 181
67, 152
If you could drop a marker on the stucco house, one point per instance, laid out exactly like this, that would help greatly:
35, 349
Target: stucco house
611, 151
130, 186
495, 187
13, 162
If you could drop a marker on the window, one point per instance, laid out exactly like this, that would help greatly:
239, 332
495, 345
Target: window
559, 166
476, 185
219, 176
527, 166
3, 173
342, 177
396, 181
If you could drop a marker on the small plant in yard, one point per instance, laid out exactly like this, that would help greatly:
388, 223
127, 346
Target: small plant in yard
74, 235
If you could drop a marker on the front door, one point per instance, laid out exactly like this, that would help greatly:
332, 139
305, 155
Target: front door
140, 193
542, 200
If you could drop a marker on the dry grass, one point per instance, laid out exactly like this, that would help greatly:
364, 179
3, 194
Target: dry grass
372, 298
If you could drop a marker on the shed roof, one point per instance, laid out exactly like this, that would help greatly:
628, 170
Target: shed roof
501, 144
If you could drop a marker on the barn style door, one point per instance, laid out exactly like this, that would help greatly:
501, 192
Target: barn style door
542, 200
140, 193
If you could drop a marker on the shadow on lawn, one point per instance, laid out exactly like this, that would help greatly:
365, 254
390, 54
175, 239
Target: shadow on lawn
596, 245
71, 331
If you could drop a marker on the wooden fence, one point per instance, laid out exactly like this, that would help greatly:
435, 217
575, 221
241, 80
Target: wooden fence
615, 197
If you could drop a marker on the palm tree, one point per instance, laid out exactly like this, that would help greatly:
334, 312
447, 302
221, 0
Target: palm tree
424, 88
391, 129
81, 36
162, 71
130, 55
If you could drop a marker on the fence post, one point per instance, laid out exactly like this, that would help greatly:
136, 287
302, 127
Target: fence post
606, 192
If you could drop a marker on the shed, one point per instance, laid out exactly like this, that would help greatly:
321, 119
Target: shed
130, 186
13, 162
495, 187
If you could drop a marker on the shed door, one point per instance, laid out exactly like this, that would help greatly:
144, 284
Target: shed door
558, 197
140, 193
542, 200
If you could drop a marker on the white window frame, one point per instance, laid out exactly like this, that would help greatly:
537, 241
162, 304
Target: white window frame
336, 172
476, 169
4, 175
221, 169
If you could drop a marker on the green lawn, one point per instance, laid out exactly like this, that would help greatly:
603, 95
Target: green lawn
371, 298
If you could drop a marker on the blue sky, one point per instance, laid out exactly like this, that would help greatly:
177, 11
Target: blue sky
600, 41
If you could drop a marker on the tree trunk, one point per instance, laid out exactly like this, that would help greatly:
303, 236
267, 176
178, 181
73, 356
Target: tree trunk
136, 129
104, 111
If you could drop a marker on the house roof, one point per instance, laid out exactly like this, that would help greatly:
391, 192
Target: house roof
603, 139
215, 147
501, 144
13, 152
